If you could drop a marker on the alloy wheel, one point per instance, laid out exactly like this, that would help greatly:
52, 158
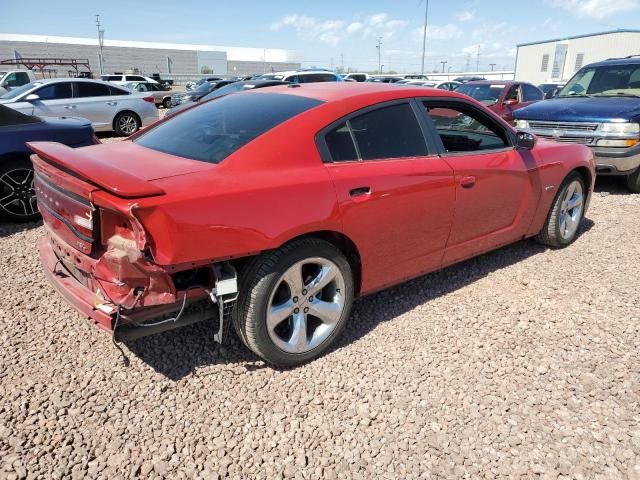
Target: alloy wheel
306, 305
127, 124
17, 195
571, 210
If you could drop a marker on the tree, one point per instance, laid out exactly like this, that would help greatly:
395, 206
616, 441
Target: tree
205, 69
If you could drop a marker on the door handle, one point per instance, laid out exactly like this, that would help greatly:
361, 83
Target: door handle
467, 182
69, 107
356, 192
112, 104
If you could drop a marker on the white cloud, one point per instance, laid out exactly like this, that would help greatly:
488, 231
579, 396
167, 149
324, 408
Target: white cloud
464, 15
332, 32
439, 32
596, 9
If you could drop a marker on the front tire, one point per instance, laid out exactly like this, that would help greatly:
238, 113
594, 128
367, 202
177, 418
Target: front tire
17, 195
294, 302
633, 181
567, 211
126, 123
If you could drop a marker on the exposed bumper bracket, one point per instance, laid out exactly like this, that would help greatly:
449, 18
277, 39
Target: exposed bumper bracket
224, 294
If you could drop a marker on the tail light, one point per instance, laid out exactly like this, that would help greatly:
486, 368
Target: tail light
126, 227
149, 99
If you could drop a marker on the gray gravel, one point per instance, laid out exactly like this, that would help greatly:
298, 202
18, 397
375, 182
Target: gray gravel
524, 362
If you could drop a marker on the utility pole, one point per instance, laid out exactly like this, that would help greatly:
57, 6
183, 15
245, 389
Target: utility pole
449, 72
424, 35
342, 62
100, 44
379, 47
468, 63
478, 59
492, 65
443, 64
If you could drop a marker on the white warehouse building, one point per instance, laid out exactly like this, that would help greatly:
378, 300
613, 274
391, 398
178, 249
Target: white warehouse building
151, 57
559, 59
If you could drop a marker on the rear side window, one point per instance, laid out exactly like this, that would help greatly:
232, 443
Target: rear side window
134, 78
90, 89
214, 130
55, 91
118, 91
388, 132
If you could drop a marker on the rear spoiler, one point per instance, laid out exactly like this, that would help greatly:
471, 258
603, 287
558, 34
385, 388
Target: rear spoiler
82, 164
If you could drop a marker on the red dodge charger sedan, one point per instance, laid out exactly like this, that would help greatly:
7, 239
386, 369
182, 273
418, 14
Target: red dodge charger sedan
272, 210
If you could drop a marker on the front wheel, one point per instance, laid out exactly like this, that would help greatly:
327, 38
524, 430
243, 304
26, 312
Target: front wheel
565, 216
294, 302
126, 123
17, 195
633, 181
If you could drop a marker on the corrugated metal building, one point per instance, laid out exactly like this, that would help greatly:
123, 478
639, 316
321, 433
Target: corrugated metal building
559, 59
148, 57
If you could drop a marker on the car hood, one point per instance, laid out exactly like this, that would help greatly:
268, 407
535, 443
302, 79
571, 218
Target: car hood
581, 109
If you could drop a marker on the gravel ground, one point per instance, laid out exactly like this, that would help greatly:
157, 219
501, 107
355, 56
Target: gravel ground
522, 363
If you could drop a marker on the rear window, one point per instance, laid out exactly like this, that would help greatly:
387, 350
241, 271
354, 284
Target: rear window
214, 130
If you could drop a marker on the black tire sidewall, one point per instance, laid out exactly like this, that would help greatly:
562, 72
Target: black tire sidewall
166, 103
14, 164
633, 182
255, 315
116, 122
557, 204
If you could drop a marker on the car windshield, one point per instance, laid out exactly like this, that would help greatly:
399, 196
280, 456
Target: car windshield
9, 116
612, 80
16, 92
485, 93
214, 130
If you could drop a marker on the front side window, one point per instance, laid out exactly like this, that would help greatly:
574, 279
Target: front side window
463, 129
55, 91
388, 132
214, 130
134, 78
90, 89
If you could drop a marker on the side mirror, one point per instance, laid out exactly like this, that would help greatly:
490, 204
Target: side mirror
525, 140
511, 101
32, 97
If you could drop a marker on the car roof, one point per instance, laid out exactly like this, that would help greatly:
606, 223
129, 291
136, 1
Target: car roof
59, 80
616, 61
504, 83
338, 91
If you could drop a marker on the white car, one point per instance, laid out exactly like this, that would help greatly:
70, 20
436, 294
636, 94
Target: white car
303, 76
443, 85
124, 79
107, 107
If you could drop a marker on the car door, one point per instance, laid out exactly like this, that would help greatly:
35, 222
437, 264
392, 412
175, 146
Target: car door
395, 195
54, 100
495, 192
94, 102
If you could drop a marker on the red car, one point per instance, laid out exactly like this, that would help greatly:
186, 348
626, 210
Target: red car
273, 209
502, 97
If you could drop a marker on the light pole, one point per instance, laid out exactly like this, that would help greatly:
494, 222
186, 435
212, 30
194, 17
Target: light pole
424, 35
449, 73
443, 64
379, 47
492, 65
100, 44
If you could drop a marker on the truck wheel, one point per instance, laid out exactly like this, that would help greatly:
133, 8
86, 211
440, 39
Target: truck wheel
565, 216
633, 181
294, 302
17, 195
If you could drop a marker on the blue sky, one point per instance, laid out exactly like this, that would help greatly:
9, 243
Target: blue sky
331, 32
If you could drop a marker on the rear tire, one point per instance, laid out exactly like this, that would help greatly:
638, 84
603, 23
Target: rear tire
566, 214
166, 103
633, 181
17, 195
294, 302
126, 123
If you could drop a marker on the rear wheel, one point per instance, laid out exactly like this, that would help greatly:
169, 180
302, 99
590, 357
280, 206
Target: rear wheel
126, 123
166, 103
17, 195
633, 182
294, 302
565, 216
